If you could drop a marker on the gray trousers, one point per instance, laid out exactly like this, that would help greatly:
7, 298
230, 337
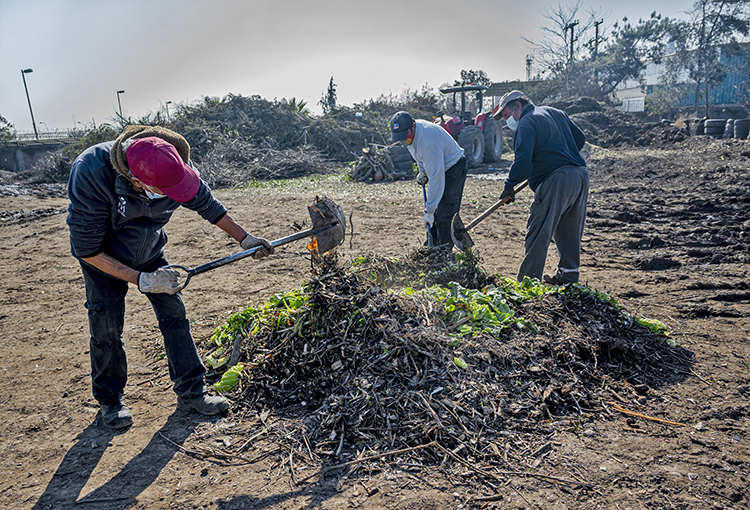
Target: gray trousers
558, 213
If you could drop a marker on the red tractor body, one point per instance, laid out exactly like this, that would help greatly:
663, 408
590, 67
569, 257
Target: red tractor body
480, 136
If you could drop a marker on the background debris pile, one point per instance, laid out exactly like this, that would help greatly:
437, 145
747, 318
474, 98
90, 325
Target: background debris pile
237, 161
383, 162
364, 370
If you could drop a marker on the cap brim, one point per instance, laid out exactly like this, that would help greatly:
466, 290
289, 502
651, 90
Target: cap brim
186, 189
496, 112
397, 136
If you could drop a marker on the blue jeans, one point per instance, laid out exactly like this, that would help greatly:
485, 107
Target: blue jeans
105, 301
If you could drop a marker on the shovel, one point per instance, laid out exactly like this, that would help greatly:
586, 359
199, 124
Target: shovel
430, 241
460, 234
329, 228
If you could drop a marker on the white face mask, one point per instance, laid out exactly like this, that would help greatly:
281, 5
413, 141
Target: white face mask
153, 196
512, 123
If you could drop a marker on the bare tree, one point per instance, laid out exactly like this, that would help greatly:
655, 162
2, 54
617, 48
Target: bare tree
565, 38
566, 41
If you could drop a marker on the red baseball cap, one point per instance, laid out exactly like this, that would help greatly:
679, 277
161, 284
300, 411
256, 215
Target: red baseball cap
157, 163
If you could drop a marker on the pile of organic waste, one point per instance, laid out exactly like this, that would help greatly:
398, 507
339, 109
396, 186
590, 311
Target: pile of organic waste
352, 370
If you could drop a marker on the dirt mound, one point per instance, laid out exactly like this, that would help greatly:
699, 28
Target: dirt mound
662, 135
609, 127
575, 105
355, 370
606, 126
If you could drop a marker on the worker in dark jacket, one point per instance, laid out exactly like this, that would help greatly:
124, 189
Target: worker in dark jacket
122, 193
546, 147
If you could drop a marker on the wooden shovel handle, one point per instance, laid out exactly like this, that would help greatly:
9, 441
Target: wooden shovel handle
495, 206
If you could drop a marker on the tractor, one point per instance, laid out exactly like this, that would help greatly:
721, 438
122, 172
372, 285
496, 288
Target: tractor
480, 136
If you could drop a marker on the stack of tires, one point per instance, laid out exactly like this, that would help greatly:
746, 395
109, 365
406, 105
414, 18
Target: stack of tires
742, 129
697, 127
401, 159
715, 127
728, 129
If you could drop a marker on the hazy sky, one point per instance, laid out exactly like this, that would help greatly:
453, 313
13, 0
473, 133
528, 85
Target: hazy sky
83, 51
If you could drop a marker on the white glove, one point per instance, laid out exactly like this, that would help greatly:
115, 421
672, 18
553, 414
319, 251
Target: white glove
250, 241
429, 219
422, 178
161, 281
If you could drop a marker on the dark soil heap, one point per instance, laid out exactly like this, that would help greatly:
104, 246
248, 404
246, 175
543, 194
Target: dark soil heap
364, 370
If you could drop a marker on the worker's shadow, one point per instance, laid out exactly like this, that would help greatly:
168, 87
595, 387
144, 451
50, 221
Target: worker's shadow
123, 488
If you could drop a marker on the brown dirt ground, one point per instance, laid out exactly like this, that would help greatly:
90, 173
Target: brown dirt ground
667, 236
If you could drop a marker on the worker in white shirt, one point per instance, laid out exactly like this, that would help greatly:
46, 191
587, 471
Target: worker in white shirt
441, 163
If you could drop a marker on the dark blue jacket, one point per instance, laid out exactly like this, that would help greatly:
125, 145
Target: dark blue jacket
545, 140
106, 215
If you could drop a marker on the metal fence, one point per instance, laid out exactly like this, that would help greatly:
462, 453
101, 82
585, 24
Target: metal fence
57, 134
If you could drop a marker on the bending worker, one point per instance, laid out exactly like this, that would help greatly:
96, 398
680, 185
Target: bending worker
441, 162
547, 148
122, 193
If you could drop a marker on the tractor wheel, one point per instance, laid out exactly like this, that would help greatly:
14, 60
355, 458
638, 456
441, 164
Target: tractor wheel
493, 140
471, 140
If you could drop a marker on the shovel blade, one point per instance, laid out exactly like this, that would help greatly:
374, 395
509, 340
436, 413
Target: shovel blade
459, 234
323, 213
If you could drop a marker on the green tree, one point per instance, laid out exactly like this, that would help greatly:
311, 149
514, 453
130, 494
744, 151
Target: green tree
6, 131
582, 59
473, 77
631, 48
328, 101
669, 89
712, 24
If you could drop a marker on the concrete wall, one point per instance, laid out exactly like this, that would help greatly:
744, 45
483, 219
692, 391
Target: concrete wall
19, 158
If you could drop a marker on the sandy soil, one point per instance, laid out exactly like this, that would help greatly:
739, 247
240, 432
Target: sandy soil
667, 235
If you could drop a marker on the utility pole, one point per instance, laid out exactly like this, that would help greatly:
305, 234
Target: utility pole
570, 26
596, 37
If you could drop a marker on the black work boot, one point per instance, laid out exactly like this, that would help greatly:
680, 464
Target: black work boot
204, 404
116, 416
561, 277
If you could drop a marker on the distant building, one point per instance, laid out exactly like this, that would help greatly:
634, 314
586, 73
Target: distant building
732, 93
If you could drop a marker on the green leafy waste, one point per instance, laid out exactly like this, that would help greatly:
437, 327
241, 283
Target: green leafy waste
230, 379
466, 313
488, 310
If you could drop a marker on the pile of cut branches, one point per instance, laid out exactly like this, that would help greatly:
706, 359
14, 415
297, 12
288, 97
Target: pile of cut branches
353, 371
383, 163
235, 161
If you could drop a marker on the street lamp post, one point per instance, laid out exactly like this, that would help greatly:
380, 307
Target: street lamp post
167, 105
33, 123
119, 105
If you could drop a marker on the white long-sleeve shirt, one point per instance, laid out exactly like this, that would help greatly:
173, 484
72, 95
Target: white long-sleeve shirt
435, 151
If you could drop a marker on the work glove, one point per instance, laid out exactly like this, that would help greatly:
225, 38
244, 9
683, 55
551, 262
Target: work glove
250, 241
508, 191
161, 281
422, 178
429, 219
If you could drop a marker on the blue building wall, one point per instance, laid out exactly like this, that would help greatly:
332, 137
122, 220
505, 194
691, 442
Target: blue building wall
733, 90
